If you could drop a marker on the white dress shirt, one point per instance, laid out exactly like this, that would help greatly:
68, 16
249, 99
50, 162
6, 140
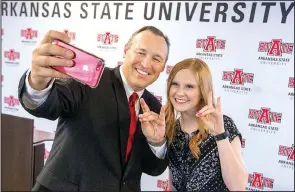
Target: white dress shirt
33, 98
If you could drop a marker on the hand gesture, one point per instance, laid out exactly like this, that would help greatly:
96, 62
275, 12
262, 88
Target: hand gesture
212, 116
152, 124
44, 57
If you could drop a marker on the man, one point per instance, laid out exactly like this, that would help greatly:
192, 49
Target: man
95, 147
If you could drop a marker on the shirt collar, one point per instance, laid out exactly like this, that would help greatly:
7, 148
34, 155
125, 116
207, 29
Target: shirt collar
127, 87
186, 135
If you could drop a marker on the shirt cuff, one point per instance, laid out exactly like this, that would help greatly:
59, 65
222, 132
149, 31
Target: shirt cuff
159, 151
33, 98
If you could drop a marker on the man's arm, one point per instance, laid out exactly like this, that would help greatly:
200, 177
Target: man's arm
155, 163
152, 119
60, 98
33, 98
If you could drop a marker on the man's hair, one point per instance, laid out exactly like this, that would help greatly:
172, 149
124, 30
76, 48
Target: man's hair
155, 31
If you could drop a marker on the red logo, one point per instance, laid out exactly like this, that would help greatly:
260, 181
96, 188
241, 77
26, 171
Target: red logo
276, 47
72, 35
168, 69
237, 77
211, 44
119, 63
256, 180
29, 33
291, 82
287, 152
46, 154
107, 38
163, 184
243, 143
11, 55
11, 101
265, 116
159, 98
2, 31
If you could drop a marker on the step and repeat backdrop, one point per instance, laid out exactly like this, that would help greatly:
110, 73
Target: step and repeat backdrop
249, 47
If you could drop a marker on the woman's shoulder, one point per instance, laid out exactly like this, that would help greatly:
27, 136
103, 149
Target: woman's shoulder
229, 122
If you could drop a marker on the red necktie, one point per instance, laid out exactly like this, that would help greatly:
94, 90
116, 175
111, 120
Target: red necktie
132, 126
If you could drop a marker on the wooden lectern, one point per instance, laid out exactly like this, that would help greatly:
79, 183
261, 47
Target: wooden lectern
21, 161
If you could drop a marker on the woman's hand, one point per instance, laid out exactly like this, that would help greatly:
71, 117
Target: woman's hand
212, 116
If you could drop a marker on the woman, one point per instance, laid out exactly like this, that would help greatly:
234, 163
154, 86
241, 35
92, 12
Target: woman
204, 146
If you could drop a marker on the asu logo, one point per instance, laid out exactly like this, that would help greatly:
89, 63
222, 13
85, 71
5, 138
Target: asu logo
163, 184
258, 181
210, 48
72, 35
238, 77
277, 52
46, 154
29, 33
107, 41
159, 98
291, 85
276, 47
168, 69
243, 143
2, 32
107, 38
11, 55
237, 80
211, 44
11, 102
287, 151
291, 82
287, 154
265, 116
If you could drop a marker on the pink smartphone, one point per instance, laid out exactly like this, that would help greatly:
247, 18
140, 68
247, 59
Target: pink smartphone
87, 68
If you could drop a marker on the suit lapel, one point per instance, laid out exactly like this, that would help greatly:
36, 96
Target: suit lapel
123, 113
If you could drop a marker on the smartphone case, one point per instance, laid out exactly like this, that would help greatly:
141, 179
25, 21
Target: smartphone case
87, 68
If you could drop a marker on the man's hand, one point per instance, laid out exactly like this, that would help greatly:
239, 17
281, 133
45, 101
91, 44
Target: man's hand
152, 124
44, 57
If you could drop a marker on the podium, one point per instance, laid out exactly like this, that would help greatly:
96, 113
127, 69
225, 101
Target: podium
21, 159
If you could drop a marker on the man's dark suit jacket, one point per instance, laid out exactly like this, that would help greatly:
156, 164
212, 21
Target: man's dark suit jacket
88, 151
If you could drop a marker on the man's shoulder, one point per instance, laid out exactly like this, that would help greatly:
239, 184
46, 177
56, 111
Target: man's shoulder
151, 100
148, 95
107, 75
